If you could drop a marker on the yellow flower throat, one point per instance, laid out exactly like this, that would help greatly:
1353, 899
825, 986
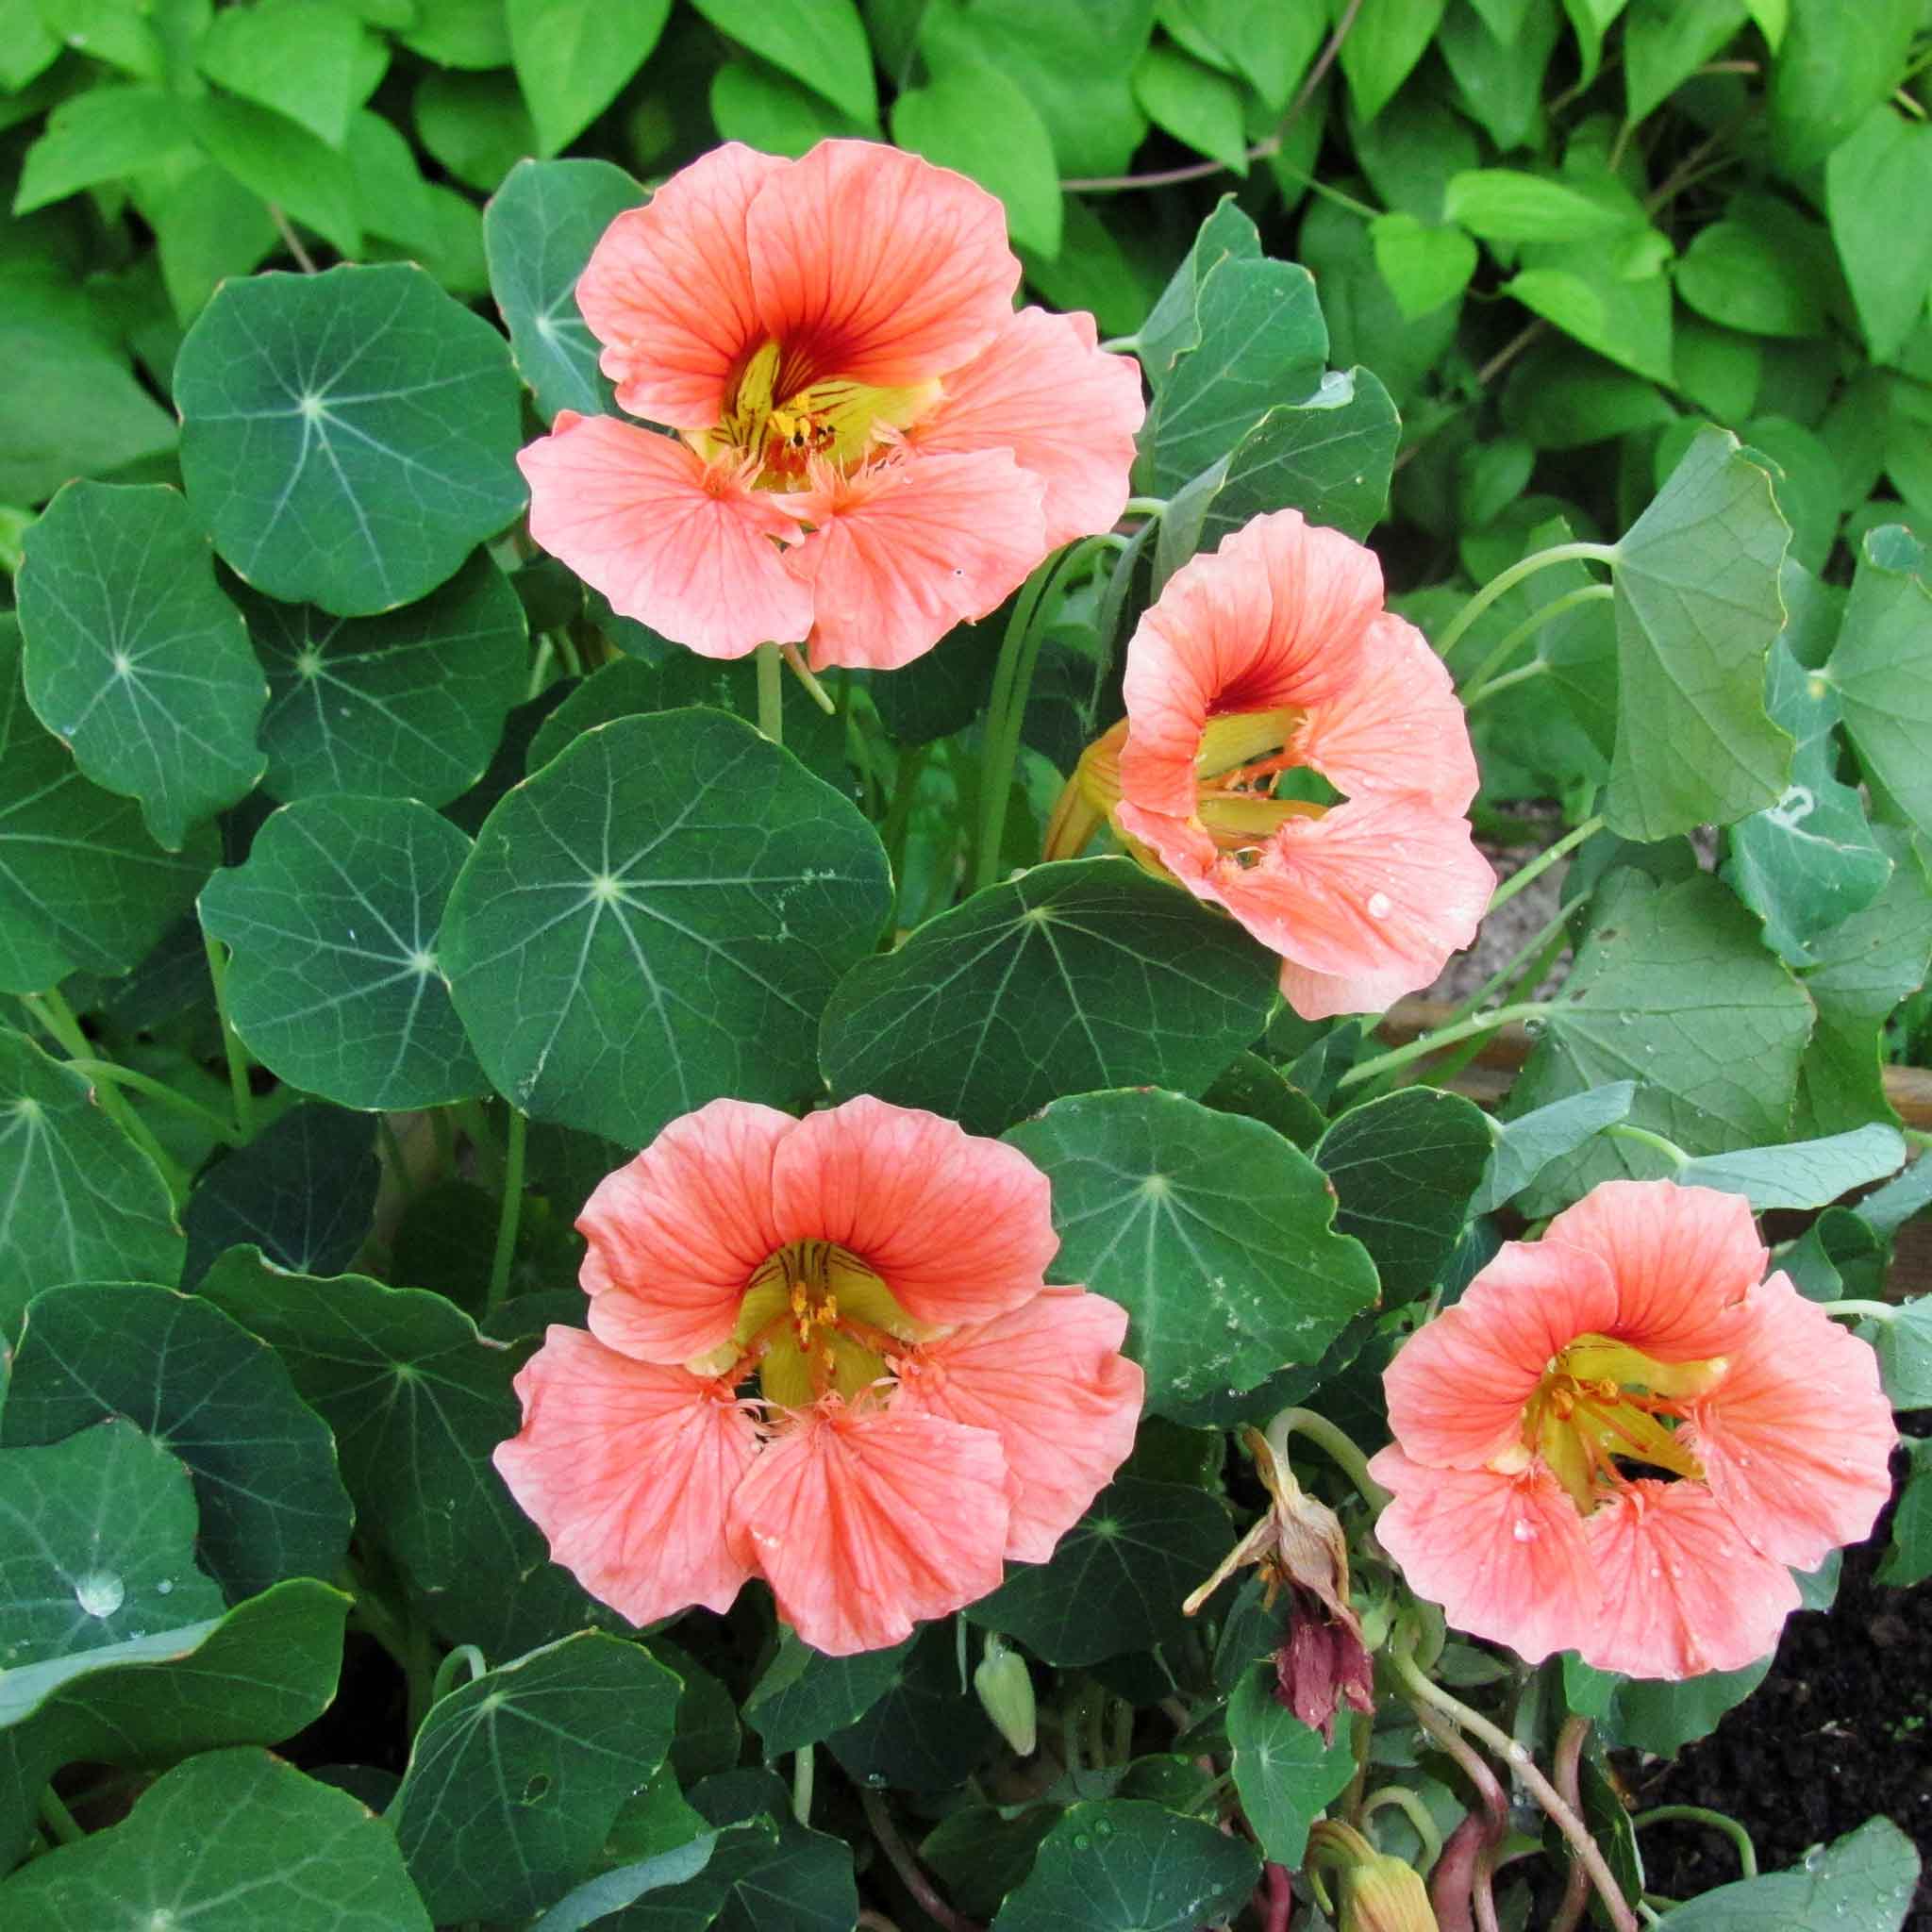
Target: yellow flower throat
815, 1321
1602, 1401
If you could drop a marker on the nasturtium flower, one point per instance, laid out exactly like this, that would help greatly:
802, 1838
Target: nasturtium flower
822, 1352
1621, 1435
869, 446
1270, 658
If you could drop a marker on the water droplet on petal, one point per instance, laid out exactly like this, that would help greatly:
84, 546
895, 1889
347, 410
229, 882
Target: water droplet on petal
1524, 1530
1379, 906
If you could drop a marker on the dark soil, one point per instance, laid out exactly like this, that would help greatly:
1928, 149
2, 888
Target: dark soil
1840, 1731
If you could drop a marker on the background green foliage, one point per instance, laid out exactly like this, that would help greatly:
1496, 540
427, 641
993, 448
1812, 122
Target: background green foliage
1476, 277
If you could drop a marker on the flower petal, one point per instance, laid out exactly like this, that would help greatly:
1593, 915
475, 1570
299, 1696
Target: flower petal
1504, 1555
629, 1468
676, 1233
873, 265
668, 290
1049, 1380
1684, 1261
1797, 1438
1371, 897
1269, 620
1045, 391
957, 1227
907, 548
684, 547
865, 1521
1457, 1386
1395, 726
1683, 1592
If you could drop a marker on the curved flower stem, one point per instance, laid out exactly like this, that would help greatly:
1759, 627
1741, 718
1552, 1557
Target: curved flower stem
1507, 579
802, 1765
510, 1214
1537, 667
1441, 1037
1642, 1137
1544, 613
1459, 1884
1339, 1445
160, 1090
1529, 874
909, 1868
1414, 1809
55, 1018
1144, 507
771, 669
815, 689
1697, 1814
1567, 1766
1523, 1766
231, 1041
1873, 1311
464, 1657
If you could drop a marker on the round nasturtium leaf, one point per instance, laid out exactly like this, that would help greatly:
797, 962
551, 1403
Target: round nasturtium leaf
656, 918
407, 705
538, 231
96, 1544
1075, 976
135, 658
265, 1846
83, 888
334, 985
98, 1204
263, 1462
1215, 1234
348, 438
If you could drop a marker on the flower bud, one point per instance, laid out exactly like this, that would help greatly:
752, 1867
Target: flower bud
1005, 1687
1383, 1894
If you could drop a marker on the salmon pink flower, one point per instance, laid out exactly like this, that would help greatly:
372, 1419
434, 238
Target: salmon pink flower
1620, 1437
822, 1352
1275, 654
869, 447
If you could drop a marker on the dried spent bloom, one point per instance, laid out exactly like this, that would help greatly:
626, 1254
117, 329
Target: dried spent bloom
1272, 656
1620, 1437
870, 447
1299, 1546
822, 1352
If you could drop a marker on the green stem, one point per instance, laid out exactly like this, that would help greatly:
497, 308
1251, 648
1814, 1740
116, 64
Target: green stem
56, 1020
392, 1152
1012, 675
1506, 581
815, 689
771, 692
1417, 1812
1544, 613
58, 1819
1421, 1691
160, 1090
1876, 1311
1444, 1036
231, 1041
1529, 874
1325, 192
511, 1212
1338, 1444
1144, 507
801, 1784
539, 668
1642, 1137
1697, 1814
1537, 667
464, 1657
1523, 974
